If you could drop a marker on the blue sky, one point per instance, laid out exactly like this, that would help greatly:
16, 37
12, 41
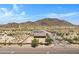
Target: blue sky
32, 12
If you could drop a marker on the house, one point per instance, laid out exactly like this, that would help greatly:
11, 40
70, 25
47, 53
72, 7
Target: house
39, 34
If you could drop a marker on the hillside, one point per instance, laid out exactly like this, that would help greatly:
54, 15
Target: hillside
53, 22
42, 22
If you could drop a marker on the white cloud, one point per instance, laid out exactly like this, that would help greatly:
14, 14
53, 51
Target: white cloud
55, 15
23, 13
6, 12
15, 7
12, 15
13, 12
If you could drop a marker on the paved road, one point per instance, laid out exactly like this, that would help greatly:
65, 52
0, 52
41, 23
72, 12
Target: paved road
12, 50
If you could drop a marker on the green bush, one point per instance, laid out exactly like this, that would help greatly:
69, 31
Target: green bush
48, 41
34, 43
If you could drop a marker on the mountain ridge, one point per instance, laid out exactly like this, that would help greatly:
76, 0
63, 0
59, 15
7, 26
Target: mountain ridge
41, 22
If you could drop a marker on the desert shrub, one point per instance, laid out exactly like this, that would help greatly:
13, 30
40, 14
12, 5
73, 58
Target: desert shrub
48, 41
4, 44
34, 43
41, 43
47, 44
20, 44
67, 34
9, 43
68, 40
76, 39
10, 34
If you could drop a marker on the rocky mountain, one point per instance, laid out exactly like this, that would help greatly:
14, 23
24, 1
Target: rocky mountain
41, 22
53, 22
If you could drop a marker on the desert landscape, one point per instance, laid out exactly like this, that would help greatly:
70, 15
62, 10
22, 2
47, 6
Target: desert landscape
28, 37
39, 29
